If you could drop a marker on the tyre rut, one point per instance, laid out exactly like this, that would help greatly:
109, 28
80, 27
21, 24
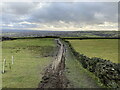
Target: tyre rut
54, 74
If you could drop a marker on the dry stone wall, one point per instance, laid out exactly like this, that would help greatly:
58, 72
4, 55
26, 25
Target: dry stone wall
105, 70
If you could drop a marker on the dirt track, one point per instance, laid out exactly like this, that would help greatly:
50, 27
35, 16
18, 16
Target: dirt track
54, 75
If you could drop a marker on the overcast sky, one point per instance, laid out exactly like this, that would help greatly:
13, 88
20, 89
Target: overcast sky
60, 16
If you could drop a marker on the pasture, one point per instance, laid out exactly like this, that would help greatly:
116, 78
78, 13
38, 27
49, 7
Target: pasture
30, 56
102, 48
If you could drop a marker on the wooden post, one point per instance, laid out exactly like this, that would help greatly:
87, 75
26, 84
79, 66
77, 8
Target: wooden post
5, 63
4, 66
12, 60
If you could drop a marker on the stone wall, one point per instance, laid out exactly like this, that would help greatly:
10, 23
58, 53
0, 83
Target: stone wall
108, 72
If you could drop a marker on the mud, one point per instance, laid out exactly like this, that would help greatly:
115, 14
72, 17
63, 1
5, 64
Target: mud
54, 76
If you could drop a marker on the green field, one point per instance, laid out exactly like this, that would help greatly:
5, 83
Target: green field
31, 56
102, 48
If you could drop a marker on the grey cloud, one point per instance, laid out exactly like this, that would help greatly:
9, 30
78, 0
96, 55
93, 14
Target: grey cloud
19, 8
78, 13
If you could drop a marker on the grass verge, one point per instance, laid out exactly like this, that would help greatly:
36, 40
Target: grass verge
77, 75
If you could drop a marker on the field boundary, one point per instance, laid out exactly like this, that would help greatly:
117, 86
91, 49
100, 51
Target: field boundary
76, 38
105, 70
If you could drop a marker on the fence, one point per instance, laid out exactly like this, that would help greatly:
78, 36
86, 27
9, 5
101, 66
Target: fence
4, 63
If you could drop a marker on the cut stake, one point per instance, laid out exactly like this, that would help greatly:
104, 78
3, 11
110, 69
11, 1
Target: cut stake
4, 66
12, 60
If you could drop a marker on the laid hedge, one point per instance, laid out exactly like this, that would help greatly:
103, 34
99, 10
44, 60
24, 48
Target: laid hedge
108, 72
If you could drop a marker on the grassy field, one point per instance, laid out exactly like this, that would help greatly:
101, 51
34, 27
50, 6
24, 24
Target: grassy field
31, 56
102, 48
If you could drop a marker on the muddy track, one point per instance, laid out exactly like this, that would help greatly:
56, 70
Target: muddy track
54, 74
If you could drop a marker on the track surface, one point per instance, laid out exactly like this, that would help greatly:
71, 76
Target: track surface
54, 76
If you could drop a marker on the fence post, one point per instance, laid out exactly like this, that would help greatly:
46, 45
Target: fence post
5, 63
4, 66
12, 59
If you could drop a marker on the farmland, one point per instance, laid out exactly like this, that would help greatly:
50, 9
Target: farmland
51, 62
102, 48
31, 57
65, 34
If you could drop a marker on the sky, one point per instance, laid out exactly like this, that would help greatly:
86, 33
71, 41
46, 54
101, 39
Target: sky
59, 16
